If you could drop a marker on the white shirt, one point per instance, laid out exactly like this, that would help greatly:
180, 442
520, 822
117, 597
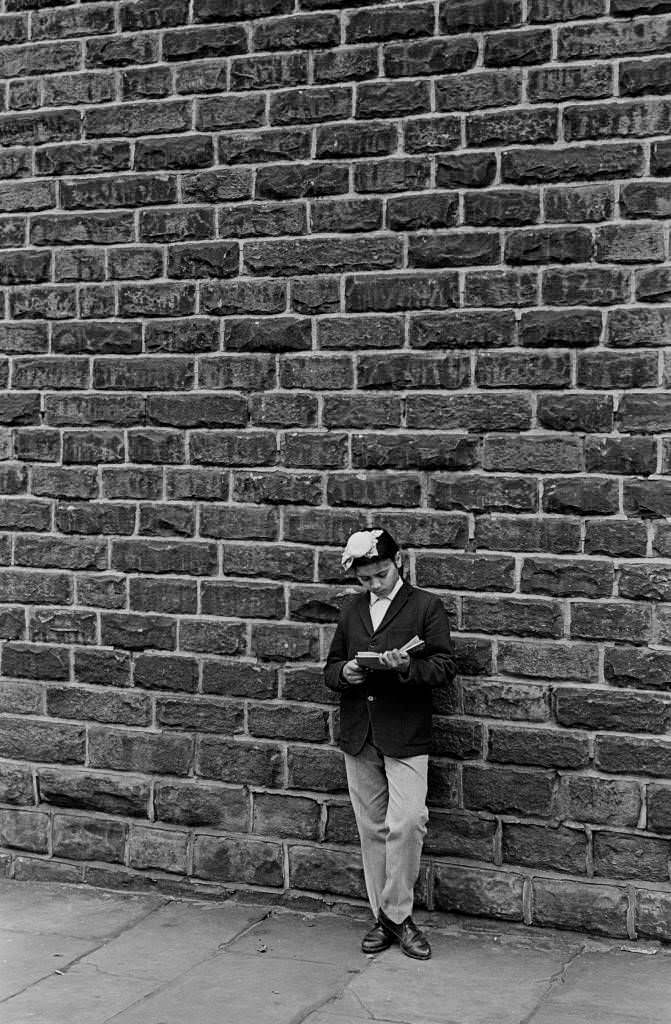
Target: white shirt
379, 605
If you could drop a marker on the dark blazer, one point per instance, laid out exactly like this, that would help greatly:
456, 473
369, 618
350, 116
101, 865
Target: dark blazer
396, 708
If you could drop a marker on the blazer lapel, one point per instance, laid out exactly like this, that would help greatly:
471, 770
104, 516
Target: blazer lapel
394, 608
363, 608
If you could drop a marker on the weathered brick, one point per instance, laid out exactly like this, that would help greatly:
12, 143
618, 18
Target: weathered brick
558, 848
136, 632
479, 90
513, 616
563, 578
302, 256
613, 38
637, 668
611, 621
24, 829
263, 146
252, 861
240, 761
146, 83
187, 803
476, 15
478, 892
581, 496
170, 595
524, 533
149, 14
542, 747
630, 856
602, 801
601, 709
393, 175
482, 493
308, 31
509, 790
31, 740
606, 537
532, 454
196, 43
413, 451
561, 904
580, 204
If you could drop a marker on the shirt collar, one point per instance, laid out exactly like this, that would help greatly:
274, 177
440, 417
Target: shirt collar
390, 596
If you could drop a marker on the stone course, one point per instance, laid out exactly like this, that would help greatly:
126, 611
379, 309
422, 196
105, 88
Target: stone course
271, 270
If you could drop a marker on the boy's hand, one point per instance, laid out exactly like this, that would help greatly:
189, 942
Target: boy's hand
399, 660
353, 673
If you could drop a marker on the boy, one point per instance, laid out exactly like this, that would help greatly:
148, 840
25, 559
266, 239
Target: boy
385, 727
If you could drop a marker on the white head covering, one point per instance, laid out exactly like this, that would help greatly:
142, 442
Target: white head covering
362, 544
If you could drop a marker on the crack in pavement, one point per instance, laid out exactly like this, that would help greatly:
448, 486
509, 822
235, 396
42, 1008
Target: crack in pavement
180, 977
303, 1015
82, 956
558, 978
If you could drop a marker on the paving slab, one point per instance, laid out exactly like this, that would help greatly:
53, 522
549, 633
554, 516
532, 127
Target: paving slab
617, 987
173, 939
25, 958
235, 987
45, 908
82, 995
469, 980
312, 938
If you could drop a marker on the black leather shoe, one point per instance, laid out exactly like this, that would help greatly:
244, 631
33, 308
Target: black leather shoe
412, 941
376, 940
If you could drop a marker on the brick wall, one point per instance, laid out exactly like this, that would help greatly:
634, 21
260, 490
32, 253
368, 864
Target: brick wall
274, 269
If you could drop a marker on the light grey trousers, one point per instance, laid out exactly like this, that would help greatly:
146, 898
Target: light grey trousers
388, 795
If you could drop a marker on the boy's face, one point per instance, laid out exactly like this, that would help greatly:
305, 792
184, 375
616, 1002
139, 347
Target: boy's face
380, 577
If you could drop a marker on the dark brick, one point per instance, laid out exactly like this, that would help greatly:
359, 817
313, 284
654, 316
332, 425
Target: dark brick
513, 616
567, 904
512, 127
601, 709
576, 412
392, 98
310, 31
476, 15
437, 134
483, 493
393, 175
146, 83
150, 753
479, 90
414, 370
25, 739
602, 801
188, 803
400, 291
644, 756
240, 761
429, 57
304, 256
557, 848
630, 856
509, 790
389, 22
617, 537
520, 533
25, 830
628, 455
647, 498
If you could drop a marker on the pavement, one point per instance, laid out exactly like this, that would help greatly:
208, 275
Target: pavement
76, 955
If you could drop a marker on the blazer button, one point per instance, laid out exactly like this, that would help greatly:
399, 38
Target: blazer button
371, 698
